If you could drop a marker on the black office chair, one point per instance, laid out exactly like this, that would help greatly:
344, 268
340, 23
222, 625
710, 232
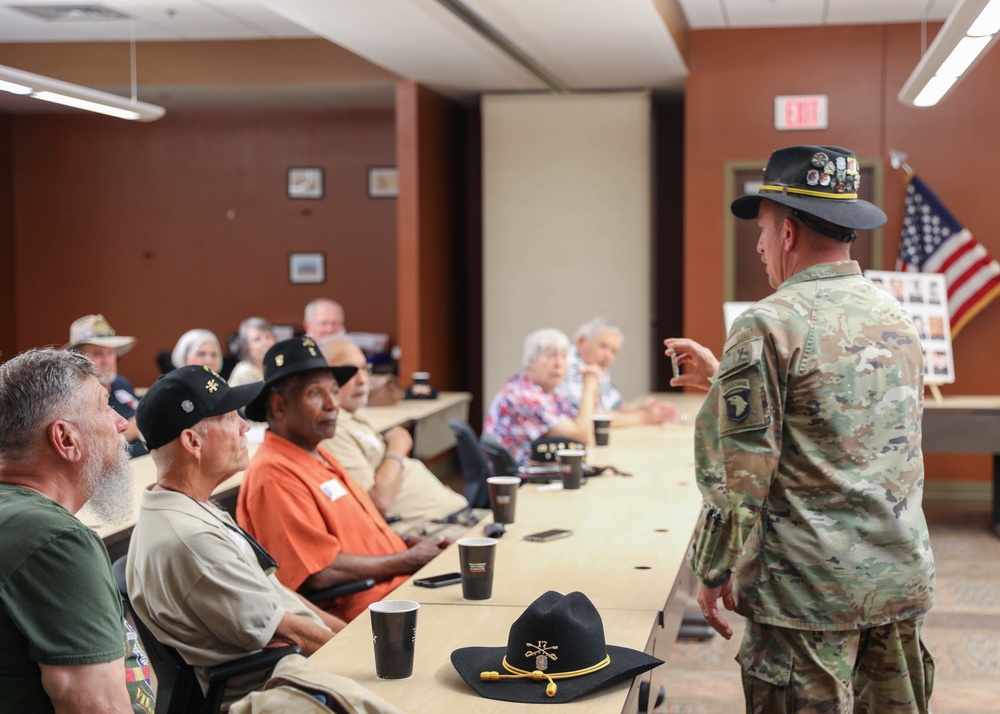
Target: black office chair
177, 688
475, 467
332, 592
503, 463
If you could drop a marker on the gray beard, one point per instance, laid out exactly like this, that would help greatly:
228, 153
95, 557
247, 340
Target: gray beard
110, 485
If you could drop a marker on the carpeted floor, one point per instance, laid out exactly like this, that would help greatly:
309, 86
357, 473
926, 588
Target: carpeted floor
962, 631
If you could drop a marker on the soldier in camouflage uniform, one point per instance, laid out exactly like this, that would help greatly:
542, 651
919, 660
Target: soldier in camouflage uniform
809, 461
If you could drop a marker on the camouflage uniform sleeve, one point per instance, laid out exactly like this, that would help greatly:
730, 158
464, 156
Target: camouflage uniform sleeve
736, 451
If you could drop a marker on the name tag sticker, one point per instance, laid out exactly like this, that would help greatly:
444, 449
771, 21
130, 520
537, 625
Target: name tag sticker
333, 489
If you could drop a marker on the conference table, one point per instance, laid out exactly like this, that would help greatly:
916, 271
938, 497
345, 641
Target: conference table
630, 537
427, 418
966, 424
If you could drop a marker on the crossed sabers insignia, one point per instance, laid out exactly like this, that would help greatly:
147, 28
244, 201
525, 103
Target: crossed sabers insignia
543, 648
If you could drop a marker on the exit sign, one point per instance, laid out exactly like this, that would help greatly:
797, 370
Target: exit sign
800, 112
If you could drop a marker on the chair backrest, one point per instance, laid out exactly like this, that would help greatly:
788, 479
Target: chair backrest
502, 461
177, 688
472, 461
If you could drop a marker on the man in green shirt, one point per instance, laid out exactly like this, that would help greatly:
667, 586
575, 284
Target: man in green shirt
64, 644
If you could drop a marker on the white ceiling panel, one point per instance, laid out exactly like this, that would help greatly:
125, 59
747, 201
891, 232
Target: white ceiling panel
704, 14
853, 12
775, 13
418, 39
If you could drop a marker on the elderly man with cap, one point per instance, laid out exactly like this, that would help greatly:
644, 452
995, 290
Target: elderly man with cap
398, 485
298, 501
199, 582
94, 337
64, 644
808, 458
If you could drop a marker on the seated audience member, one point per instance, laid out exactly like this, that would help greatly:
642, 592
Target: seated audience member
323, 318
397, 484
64, 644
200, 583
528, 406
93, 337
298, 501
596, 344
255, 338
198, 347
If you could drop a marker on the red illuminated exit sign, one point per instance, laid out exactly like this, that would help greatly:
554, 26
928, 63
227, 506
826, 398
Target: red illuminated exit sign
800, 112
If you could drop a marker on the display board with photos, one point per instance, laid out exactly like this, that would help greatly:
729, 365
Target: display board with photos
925, 297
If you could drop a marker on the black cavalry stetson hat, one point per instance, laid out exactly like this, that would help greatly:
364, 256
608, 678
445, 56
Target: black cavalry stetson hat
183, 397
555, 653
289, 357
821, 181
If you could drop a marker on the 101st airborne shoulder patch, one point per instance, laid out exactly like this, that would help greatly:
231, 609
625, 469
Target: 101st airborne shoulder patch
736, 394
741, 386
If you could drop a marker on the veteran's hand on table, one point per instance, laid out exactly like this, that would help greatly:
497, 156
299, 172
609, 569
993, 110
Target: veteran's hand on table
703, 364
398, 441
423, 549
708, 601
656, 412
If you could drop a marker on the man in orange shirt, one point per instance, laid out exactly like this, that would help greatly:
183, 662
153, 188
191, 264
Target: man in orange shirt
301, 504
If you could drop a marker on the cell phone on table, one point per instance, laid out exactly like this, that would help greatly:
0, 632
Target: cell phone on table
439, 581
546, 536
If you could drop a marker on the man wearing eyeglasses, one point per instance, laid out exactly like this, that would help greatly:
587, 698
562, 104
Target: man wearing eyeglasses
400, 486
200, 583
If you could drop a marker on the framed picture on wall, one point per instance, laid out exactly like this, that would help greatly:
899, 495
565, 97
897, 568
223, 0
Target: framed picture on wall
306, 268
383, 182
305, 182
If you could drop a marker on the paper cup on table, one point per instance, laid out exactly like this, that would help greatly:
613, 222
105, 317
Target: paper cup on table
572, 467
394, 632
476, 559
503, 497
602, 429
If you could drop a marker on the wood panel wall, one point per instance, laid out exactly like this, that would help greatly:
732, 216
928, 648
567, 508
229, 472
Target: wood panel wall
735, 76
186, 223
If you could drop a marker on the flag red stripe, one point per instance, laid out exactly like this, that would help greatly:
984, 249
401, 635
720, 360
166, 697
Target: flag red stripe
974, 299
959, 251
958, 282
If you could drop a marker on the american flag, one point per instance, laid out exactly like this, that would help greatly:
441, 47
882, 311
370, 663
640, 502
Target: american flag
934, 242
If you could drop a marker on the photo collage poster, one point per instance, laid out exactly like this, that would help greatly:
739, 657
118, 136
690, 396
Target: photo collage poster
925, 297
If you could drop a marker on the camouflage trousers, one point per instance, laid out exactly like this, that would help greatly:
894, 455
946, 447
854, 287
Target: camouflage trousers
881, 670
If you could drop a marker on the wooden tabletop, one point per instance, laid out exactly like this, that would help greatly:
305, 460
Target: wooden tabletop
631, 534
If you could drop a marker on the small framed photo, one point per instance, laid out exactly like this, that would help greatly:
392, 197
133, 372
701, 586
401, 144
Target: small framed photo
305, 182
306, 268
383, 182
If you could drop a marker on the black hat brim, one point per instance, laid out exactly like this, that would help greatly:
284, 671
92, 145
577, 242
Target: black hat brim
256, 410
855, 214
237, 398
469, 662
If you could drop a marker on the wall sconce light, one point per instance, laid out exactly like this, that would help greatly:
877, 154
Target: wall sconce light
47, 89
971, 29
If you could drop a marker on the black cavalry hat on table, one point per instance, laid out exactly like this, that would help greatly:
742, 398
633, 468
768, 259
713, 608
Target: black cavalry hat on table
820, 181
289, 357
555, 653
183, 397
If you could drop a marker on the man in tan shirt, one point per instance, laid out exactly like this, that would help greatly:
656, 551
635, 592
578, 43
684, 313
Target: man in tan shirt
381, 464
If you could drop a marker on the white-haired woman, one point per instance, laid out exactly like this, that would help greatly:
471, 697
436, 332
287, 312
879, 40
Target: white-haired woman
255, 338
198, 347
528, 407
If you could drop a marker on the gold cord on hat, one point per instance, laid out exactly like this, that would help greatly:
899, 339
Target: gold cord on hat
806, 192
538, 675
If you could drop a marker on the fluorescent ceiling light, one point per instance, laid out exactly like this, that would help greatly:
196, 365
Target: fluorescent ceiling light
75, 95
970, 30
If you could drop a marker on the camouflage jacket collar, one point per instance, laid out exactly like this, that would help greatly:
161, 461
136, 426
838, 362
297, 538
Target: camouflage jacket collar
824, 271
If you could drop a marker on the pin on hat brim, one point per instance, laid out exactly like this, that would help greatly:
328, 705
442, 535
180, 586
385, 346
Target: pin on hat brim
469, 662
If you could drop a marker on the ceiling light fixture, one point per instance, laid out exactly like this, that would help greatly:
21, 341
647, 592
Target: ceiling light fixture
971, 29
75, 95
